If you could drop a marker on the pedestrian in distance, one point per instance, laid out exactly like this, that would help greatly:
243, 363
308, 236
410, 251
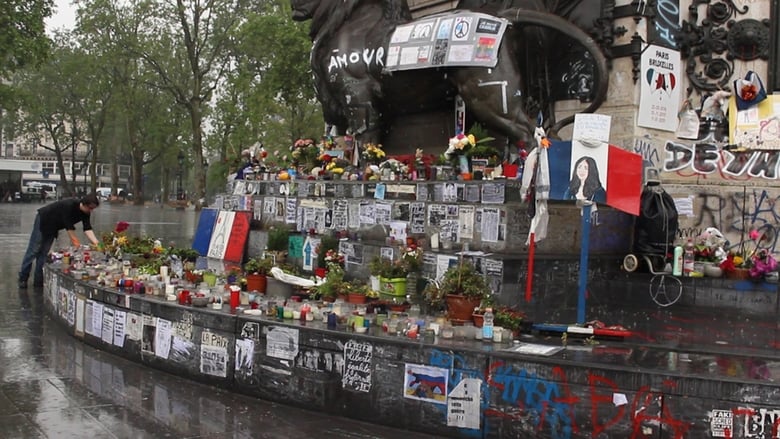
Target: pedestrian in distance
49, 220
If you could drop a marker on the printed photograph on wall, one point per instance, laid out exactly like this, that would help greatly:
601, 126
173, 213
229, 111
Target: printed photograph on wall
589, 158
425, 383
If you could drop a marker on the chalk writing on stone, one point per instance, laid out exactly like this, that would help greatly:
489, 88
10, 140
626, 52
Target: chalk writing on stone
357, 366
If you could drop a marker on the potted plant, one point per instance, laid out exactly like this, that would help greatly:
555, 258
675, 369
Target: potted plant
278, 242
392, 277
357, 292
508, 318
375, 270
326, 243
332, 285
257, 270
479, 313
463, 289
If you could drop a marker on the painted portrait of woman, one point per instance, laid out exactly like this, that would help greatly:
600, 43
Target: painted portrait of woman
585, 183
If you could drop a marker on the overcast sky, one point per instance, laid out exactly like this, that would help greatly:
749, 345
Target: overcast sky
64, 16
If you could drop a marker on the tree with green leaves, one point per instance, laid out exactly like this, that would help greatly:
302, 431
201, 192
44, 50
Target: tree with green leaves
23, 40
186, 42
268, 95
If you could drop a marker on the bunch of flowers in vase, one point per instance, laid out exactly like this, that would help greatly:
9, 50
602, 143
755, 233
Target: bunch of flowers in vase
335, 166
373, 154
459, 148
459, 145
334, 258
393, 169
756, 261
304, 153
419, 165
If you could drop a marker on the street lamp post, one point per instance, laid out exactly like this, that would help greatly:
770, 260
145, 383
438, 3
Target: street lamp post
180, 190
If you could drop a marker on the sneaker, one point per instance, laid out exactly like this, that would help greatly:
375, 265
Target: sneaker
22, 285
37, 284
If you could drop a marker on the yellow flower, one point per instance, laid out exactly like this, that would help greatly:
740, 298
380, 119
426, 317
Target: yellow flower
472, 139
337, 170
121, 240
738, 260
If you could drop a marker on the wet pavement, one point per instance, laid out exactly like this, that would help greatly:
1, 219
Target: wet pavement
53, 386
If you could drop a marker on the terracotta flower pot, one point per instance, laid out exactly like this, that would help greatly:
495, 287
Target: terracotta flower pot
356, 298
460, 308
479, 319
257, 282
739, 273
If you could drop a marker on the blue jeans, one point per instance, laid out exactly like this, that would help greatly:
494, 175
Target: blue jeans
37, 250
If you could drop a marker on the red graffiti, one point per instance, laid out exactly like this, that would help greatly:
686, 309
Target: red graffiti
647, 407
567, 398
596, 399
643, 400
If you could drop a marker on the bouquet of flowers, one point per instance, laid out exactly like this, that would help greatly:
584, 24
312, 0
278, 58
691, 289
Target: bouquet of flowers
758, 261
395, 166
336, 165
113, 242
460, 144
333, 257
411, 256
304, 151
373, 153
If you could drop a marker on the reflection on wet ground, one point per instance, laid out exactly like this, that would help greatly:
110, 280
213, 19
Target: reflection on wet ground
53, 386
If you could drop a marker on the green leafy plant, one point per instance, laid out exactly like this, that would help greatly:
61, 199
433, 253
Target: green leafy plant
464, 279
185, 254
393, 269
289, 268
278, 238
508, 318
375, 266
333, 284
357, 286
261, 266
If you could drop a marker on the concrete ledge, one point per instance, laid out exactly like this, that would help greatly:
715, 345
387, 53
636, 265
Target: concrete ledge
608, 390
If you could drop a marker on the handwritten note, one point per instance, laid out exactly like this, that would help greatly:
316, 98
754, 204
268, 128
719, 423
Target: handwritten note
357, 366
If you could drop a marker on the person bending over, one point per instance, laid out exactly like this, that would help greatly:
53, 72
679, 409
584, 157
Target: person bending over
52, 218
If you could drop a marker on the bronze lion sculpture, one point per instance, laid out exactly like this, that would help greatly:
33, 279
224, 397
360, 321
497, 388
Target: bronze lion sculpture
358, 95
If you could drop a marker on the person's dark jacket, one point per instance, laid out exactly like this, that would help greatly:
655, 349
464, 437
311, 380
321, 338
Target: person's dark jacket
63, 214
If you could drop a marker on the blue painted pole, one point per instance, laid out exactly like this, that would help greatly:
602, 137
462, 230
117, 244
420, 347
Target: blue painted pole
583, 281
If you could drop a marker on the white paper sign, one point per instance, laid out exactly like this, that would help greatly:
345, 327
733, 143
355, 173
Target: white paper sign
108, 325
661, 88
282, 342
162, 342
119, 328
134, 325
80, 303
213, 360
463, 404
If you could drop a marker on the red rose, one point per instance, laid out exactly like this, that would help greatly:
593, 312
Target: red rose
121, 226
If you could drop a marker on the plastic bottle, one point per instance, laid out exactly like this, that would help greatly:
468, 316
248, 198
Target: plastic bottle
487, 325
688, 257
677, 264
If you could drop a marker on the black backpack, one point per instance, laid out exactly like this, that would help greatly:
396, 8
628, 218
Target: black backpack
655, 230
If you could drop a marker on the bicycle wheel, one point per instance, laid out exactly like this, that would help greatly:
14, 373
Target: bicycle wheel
665, 290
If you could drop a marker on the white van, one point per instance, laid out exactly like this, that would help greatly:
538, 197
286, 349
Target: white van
103, 193
32, 192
